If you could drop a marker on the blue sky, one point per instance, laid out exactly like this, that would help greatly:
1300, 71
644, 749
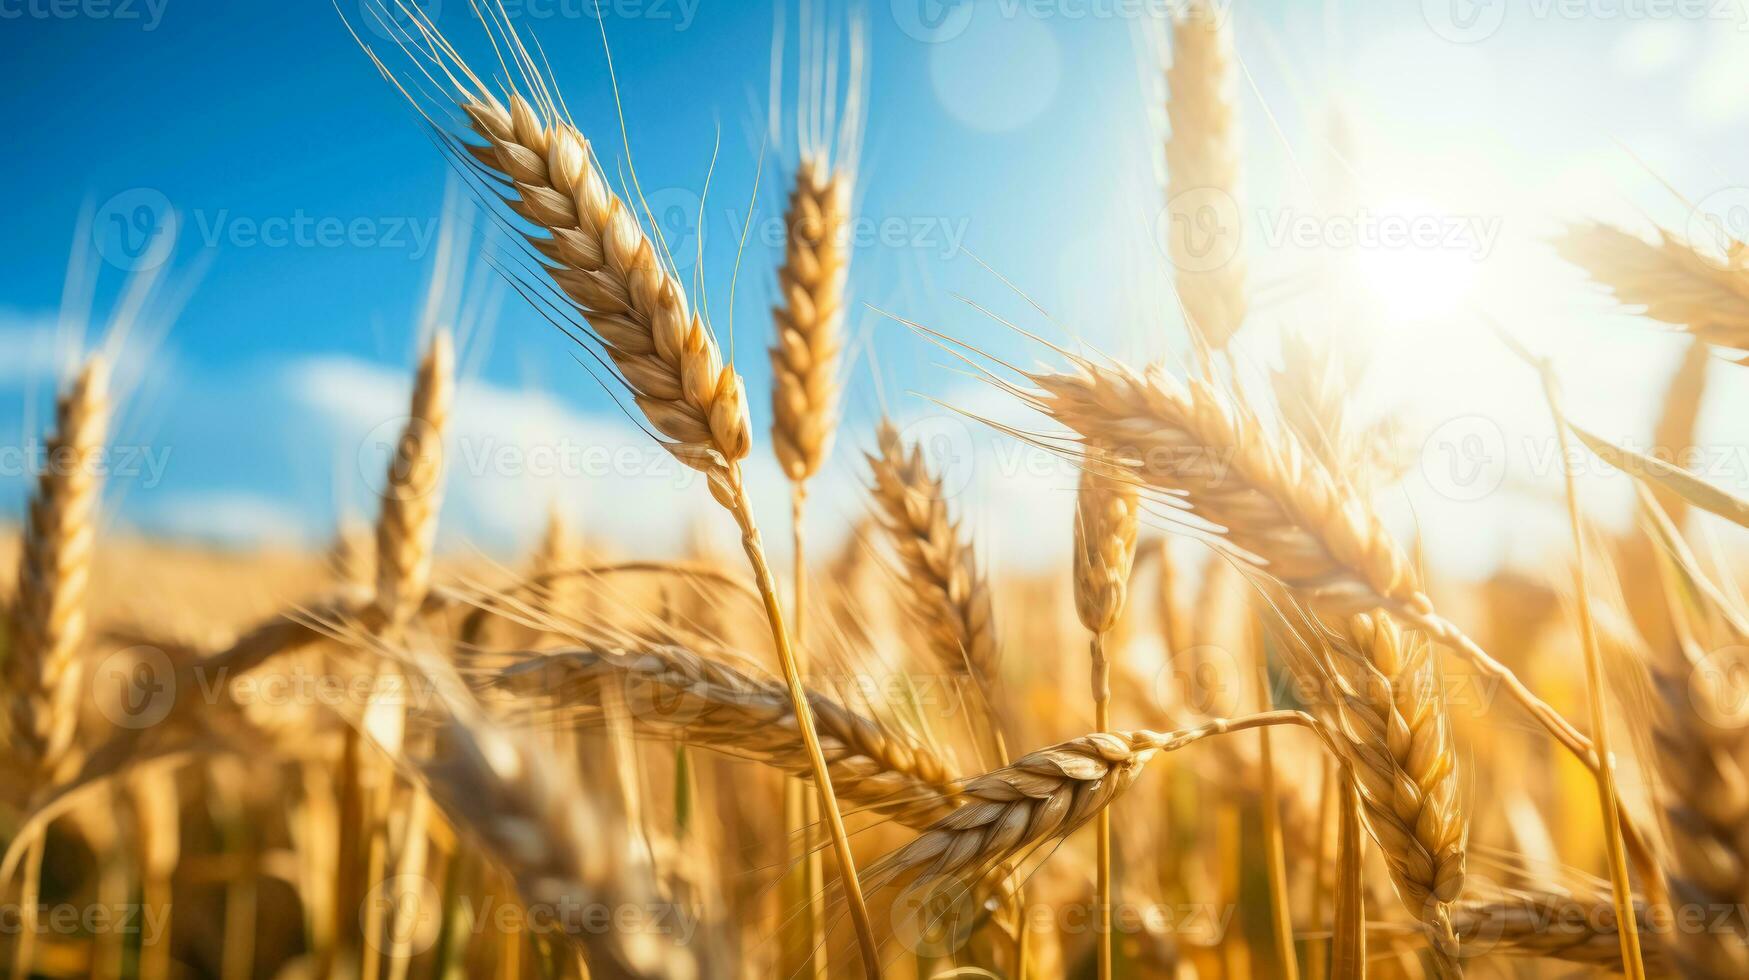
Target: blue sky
1022, 133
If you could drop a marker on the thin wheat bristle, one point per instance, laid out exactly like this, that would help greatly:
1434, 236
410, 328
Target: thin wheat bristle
1202, 174
1268, 496
407, 525
942, 579
47, 618
1673, 282
810, 318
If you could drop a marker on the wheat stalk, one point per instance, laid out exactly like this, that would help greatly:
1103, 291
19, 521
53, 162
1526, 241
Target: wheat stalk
945, 587
1202, 174
1105, 551
611, 288
1670, 279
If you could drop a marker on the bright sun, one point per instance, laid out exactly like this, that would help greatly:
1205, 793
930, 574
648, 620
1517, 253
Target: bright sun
1415, 261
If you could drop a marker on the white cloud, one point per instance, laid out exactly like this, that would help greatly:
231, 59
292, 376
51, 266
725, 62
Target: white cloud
229, 517
32, 350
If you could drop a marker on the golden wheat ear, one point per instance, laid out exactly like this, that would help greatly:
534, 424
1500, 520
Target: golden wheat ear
592, 270
47, 618
1669, 280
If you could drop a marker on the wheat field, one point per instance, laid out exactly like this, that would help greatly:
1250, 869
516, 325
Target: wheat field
1242, 731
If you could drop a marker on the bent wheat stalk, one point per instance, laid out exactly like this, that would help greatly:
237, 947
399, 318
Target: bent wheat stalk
609, 288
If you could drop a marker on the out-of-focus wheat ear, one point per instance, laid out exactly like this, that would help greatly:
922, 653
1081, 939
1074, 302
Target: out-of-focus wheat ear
413, 490
1104, 552
46, 623
1202, 173
47, 618
557, 553
352, 556
1674, 283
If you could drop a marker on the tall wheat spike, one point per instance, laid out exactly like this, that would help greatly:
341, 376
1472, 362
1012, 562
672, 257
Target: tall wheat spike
47, 618
1202, 173
1105, 551
595, 273
810, 317
809, 321
413, 494
46, 621
1672, 281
